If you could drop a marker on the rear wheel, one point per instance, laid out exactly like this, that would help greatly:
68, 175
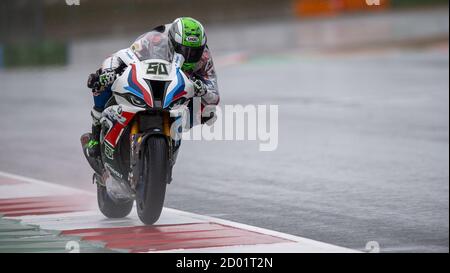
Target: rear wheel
112, 208
152, 187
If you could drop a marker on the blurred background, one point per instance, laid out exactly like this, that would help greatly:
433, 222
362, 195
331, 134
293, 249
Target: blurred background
42, 32
362, 90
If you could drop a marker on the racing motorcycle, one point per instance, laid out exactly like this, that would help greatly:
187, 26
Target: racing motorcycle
138, 150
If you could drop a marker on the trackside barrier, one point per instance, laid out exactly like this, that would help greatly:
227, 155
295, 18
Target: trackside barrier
37, 54
311, 8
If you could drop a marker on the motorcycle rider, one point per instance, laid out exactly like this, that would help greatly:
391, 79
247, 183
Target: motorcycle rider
185, 36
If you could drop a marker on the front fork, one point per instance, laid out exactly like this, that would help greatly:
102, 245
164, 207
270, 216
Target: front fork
137, 148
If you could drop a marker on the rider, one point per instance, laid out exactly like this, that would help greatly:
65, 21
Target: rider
185, 36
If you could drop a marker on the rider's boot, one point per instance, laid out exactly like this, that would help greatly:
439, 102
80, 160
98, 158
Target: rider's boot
93, 145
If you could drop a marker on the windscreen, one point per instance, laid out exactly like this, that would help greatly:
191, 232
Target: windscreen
152, 45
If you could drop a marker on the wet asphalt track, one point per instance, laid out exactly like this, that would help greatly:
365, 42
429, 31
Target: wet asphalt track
363, 149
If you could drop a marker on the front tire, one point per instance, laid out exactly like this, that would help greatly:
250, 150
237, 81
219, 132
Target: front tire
109, 207
150, 200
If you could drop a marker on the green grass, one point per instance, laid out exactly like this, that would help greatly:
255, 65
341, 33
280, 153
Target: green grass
47, 53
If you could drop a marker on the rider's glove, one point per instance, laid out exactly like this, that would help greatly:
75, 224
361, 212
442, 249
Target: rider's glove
199, 88
107, 77
102, 78
92, 81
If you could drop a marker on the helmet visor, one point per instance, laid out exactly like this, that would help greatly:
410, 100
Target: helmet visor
190, 54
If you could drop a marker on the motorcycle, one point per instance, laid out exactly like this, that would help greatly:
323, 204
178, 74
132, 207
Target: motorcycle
138, 150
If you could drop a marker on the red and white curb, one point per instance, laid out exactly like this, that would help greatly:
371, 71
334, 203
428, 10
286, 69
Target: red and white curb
74, 213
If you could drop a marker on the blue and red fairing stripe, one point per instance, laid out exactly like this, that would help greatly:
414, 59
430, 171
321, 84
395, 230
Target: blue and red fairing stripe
136, 88
178, 90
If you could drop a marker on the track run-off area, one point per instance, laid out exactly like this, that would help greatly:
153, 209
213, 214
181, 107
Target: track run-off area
38, 216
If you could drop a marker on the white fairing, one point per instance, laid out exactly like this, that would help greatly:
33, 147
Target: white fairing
155, 70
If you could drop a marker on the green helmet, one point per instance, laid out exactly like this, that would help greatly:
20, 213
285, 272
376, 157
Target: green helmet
187, 37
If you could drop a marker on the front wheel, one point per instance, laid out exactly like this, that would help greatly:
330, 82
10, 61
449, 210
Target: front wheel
152, 187
109, 207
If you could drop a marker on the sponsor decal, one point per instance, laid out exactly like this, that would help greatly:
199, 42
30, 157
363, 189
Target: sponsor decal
192, 39
116, 173
109, 151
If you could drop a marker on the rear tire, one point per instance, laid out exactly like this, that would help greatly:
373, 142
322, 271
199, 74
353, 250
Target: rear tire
150, 201
109, 207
